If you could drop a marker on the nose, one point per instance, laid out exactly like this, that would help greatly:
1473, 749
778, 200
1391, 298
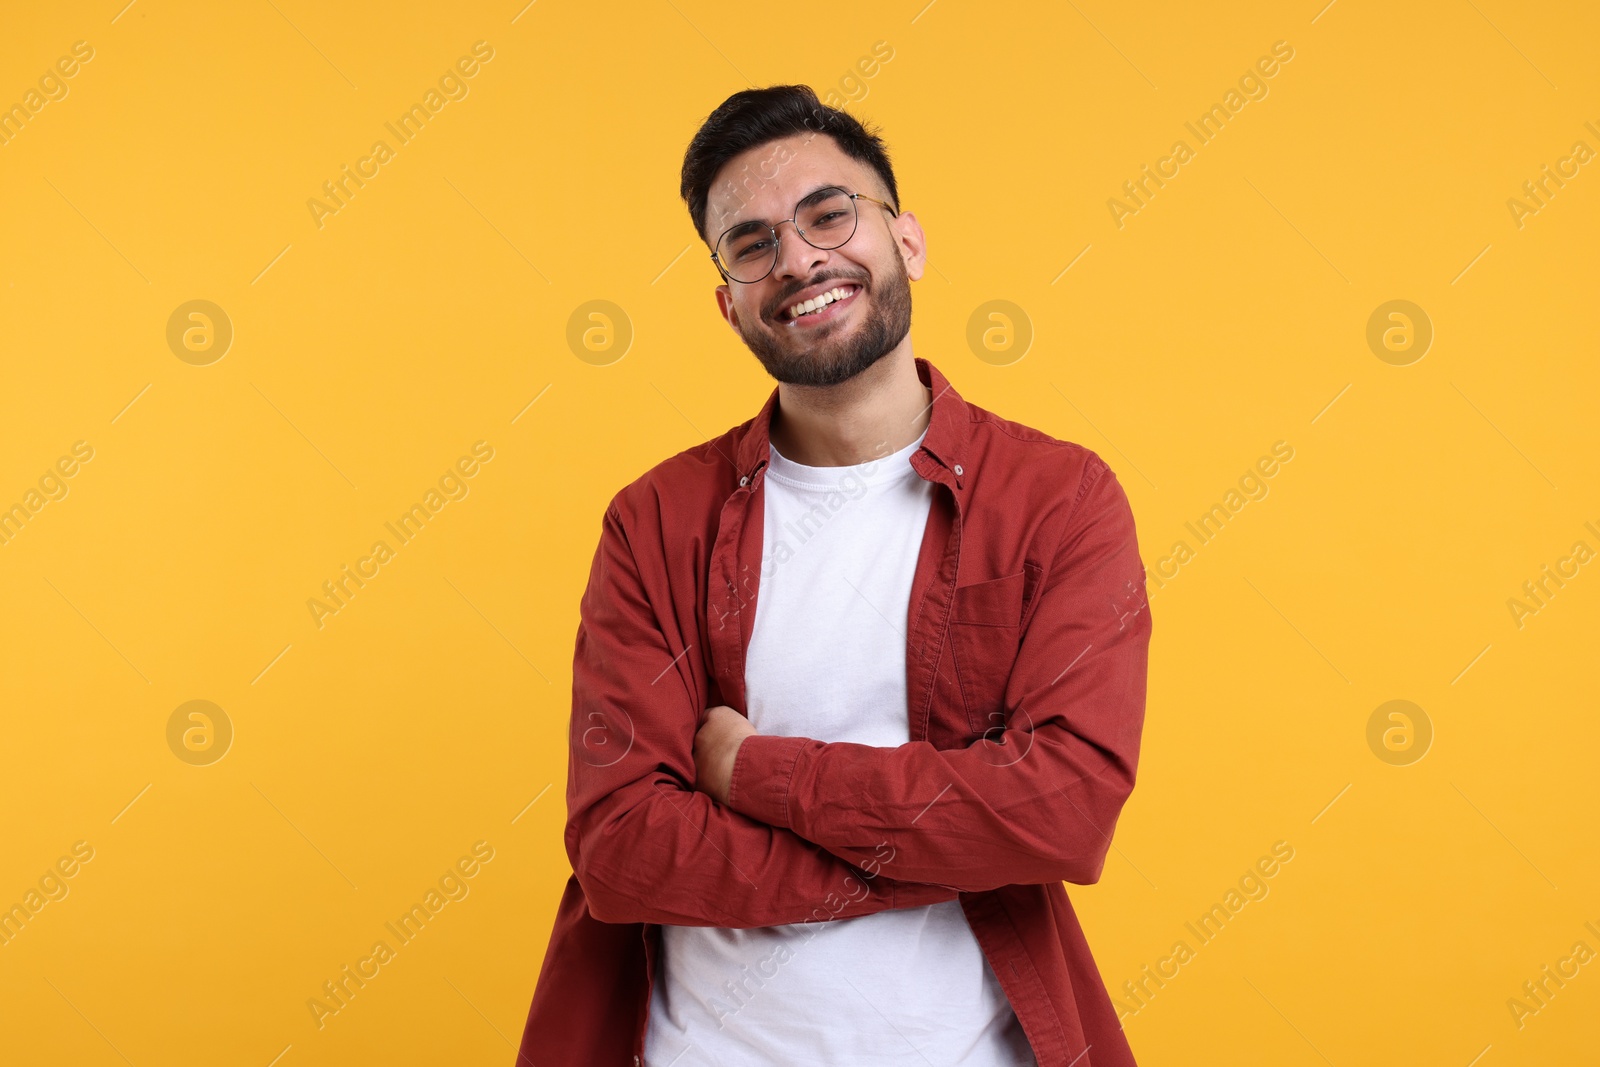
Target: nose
797, 257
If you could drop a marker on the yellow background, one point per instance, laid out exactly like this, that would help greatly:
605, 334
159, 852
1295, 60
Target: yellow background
432, 310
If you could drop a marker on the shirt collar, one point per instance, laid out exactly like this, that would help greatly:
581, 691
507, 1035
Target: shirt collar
945, 439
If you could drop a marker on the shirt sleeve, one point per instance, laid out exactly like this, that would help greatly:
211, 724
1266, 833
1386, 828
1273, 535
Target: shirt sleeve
1032, 802
644, 844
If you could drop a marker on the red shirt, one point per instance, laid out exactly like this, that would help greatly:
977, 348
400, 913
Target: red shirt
1026, 649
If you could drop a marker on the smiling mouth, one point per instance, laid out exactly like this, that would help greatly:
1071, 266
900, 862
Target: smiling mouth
824, 307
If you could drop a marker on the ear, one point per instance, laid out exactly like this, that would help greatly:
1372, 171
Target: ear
725, 307
911, 243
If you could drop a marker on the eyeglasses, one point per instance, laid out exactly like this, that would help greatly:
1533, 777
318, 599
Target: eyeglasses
747, 251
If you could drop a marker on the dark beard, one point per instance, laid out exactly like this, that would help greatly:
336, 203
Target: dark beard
829, 362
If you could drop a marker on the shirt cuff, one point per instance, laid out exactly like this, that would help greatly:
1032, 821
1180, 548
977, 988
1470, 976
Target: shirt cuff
762, 770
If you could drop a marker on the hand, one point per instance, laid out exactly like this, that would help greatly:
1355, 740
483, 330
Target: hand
716, 746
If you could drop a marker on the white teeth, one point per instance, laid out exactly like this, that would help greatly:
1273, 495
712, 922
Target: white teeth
821, 300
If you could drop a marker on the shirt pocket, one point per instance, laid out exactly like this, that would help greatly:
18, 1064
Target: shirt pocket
985, 628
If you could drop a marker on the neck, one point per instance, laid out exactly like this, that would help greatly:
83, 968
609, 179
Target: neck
879, 411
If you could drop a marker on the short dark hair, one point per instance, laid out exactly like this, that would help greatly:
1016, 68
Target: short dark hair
753, 117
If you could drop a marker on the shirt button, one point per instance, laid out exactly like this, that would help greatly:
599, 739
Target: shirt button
745, 480
958, 470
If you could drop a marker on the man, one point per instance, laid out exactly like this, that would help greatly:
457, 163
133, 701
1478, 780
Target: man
857, 685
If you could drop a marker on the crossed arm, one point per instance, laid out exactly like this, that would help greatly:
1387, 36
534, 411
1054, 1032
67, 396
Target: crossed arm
645, 844
704, 822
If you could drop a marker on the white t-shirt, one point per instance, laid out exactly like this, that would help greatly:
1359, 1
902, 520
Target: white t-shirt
827, 660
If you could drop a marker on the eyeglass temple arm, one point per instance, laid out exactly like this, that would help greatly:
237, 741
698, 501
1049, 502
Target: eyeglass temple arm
875, 200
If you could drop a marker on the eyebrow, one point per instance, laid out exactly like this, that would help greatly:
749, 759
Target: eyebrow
745, 225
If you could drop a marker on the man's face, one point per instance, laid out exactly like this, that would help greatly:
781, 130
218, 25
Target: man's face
879, 261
